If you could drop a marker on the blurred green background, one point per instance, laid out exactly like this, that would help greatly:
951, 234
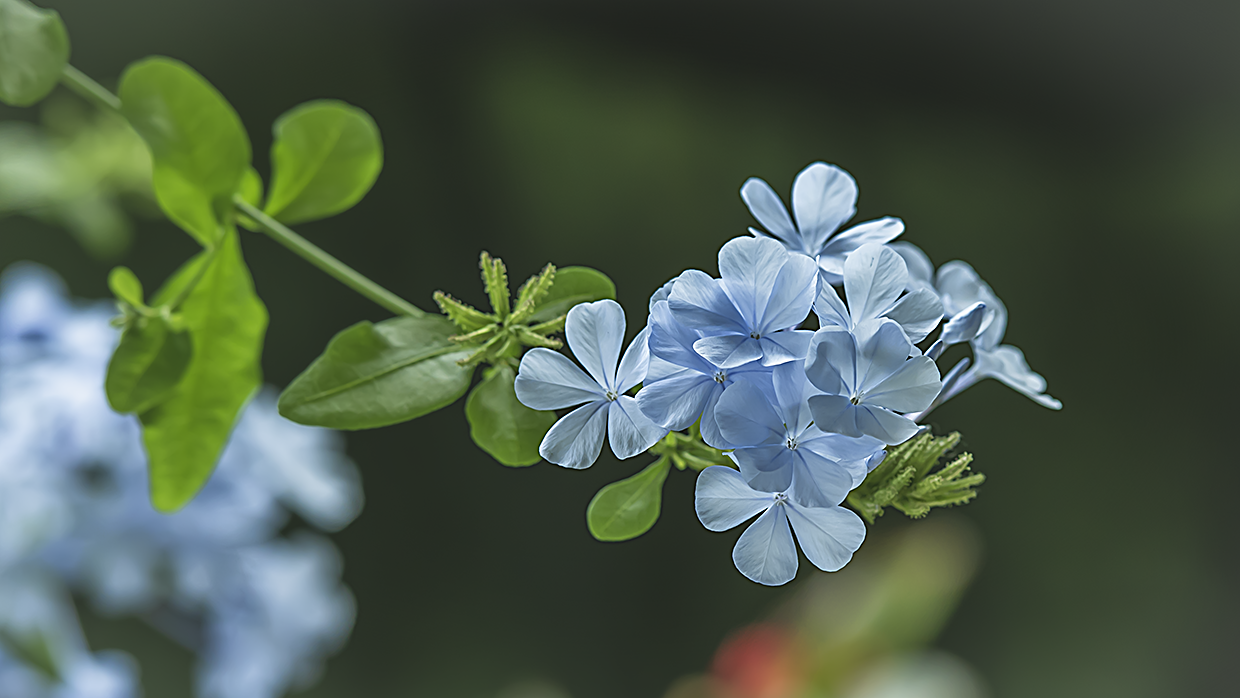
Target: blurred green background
1081, 155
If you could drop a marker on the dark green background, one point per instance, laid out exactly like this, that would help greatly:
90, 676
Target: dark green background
1081, 155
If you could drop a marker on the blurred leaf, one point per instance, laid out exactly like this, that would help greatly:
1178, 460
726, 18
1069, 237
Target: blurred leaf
626, 509
126, 286
34, 48
147, 365
325, 158
573, 285
501, 425
185, 435
199, 148
373, 375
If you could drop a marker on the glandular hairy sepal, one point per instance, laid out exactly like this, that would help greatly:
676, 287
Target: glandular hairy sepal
912, 480
463, 315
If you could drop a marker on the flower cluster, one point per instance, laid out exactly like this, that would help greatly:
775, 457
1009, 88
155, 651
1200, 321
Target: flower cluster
803, 414
261, 611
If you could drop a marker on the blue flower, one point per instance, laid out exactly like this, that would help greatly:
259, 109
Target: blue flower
875, 276
753, 311
824, 197
681, 386
548, 380
780, 450
765, 552
867, 381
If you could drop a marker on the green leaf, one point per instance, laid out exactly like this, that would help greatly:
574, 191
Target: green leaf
373, 375
626, 509
185, 435
501, 425
199, 148
326, 156
573, 285
147, 365
250, 191
126, 286
34, 49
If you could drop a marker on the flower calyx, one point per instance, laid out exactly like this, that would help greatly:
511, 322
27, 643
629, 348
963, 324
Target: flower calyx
907, 479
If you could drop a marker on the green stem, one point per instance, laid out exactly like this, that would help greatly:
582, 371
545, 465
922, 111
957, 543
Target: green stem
208, 258
327, 263
88, 89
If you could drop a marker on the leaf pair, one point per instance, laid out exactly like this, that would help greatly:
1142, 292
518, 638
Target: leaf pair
153, 354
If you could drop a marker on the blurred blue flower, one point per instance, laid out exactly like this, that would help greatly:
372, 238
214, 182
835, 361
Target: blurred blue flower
752, 312
548, 380
215, 576
824, 197
867, 381
765, 552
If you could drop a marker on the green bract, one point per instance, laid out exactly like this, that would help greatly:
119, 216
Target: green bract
628, 508
373, 375
34, 49
125, 286
573, 285
147, 365
185, 434
199, 148
500, 424
325, 158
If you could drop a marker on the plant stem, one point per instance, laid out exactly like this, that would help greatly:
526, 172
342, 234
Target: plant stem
327, 263
88, 89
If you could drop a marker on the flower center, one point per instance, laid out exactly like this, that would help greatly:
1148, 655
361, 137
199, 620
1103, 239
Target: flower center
856, 399
791, 443
611, 395
755, 334
720, 376
780, 498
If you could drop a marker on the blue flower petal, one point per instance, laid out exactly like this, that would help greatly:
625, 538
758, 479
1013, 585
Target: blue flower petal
829, 536
595, 333
823, 198
723, 500
576, 440
765, 552
629, 430
548, 380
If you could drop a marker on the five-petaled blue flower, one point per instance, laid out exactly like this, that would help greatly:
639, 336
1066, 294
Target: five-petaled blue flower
548, 380
875, 276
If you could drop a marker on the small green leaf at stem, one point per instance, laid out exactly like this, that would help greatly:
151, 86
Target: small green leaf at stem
500, 424
326, 156
626, 509
149, 362
185, 434
572, 285
126, 286
199, 149
373, 375
34, 50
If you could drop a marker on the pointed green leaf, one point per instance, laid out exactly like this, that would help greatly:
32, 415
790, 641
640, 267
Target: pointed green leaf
34, 49
126, 286
573, 285
185, 434
326, 156
501, 425
373, 375
147, 365
626, 509
199, 148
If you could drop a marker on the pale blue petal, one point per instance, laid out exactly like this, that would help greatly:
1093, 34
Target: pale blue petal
723, 500
965, 325
781, 347
936, 349
829, 308
1007, 364
765, 206
635, 362
838, 447
883, 424
576, 440
660, 369
673, 342
677, 401
595, 333
920, 269
960, 286
829, 536
841, 247
836, 414
882, 354
750, 268
745, 416
791, 390
949, 380
548, 380
729, 351
630, 431
765, 552
819, 482
778, 480
918, 313
753, 460
791, 296
823, 198
831, 363
661, 295
911, 388
874, 277
710, 426
698, 301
